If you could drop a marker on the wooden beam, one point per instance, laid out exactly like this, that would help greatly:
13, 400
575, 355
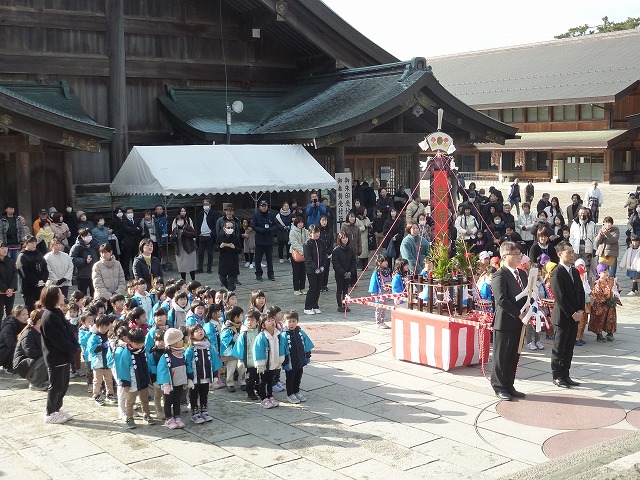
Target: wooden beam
19, 142
117, 95
385, 140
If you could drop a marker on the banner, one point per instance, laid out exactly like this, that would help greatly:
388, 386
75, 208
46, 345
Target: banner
440, 204
344, 197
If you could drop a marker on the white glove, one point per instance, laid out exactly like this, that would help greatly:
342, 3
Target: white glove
190, 384
260, 369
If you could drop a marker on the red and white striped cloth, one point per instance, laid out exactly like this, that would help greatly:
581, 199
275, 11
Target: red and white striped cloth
433, 340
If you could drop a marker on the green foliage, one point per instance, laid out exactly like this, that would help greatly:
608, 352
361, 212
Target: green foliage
442, 264
629, 24
464, 261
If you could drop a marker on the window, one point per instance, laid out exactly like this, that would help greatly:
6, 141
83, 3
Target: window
485, 162
564, 113
622, 161
494, 114
508, 162
512, 115
537, 114
592, 111
536, 161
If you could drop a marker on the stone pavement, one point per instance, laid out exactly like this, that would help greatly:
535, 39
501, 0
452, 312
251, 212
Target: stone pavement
370, 417
366, 417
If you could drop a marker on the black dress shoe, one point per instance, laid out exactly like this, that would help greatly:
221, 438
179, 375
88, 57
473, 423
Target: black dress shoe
560, 382
503, 396
573, 383
516, 394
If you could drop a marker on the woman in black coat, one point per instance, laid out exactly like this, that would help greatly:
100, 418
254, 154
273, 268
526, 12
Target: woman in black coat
33, 271
229, 245
393, 231
326, 236
315, 257
344, 265
142, 269
8, 281
59, 346
11, 327
28, 360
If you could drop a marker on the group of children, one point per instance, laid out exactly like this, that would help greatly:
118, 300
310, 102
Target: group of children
180, 342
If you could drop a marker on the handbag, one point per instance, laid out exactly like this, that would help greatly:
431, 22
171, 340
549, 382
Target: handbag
391, 249
297, 256
608, 260
371, 241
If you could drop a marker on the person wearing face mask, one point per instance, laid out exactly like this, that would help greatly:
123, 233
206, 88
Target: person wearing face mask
151, 230
229, 246
130, 236
60, 267
33, 271
100, 232
84, 257
582, 236
206, 235
184, 236
44, 236
60, 230
83, 222
69, 217
393, 230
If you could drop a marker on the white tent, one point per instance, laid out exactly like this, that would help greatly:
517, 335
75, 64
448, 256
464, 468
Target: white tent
211, 169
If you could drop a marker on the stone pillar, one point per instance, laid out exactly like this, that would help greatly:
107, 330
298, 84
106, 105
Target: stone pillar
23, 187
117, 94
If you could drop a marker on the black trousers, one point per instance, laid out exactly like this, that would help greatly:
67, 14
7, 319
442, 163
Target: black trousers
199, 391
30, 295
58, 385
325, 274
313, 294
267, 251
283, 251
229, 282
342, 288
562, 353
205, 243
252, 380
265, 387
85, 285
6, 304
294, 377
297, 268
505, 359
172, 402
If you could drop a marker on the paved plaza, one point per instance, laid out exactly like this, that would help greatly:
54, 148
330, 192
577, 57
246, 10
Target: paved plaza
367, 417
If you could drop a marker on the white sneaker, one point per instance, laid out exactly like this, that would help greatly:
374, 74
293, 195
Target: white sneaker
279, 387
317, 311
66, 415
197, 418
303, 292
263, 265
532, 346
293, 399
540, 345
54, 418
309, 312
282, 260
266, 403
300, 397
631, 294
246, 264
297, 292
251, 265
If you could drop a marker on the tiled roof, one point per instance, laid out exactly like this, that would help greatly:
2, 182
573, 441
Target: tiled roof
51, 103
576, 140
316, 107
592, 68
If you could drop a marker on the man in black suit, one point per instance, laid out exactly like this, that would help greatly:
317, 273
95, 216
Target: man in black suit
206, 230
569, 308
506, 284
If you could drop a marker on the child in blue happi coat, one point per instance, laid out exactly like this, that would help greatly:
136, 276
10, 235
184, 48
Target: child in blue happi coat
172, 371
202, 361
160, 324
177, 316
379, 284
84, 332
154, 354
228, 338
243, 351
101, 360
196, 314
295, 347
134, 376
266, 354
212, 328
399, 279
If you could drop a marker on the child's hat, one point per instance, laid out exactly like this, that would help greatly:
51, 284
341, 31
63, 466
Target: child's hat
580, 263
172, 335
544, 258
484, 254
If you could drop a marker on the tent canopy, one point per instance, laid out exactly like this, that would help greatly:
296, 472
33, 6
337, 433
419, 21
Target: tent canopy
211, 169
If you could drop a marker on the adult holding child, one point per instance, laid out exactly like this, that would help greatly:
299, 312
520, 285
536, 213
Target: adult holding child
59, 347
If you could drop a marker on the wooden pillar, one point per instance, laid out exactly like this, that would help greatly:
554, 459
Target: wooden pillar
67, 165
339, 163
23, 187
117, 84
